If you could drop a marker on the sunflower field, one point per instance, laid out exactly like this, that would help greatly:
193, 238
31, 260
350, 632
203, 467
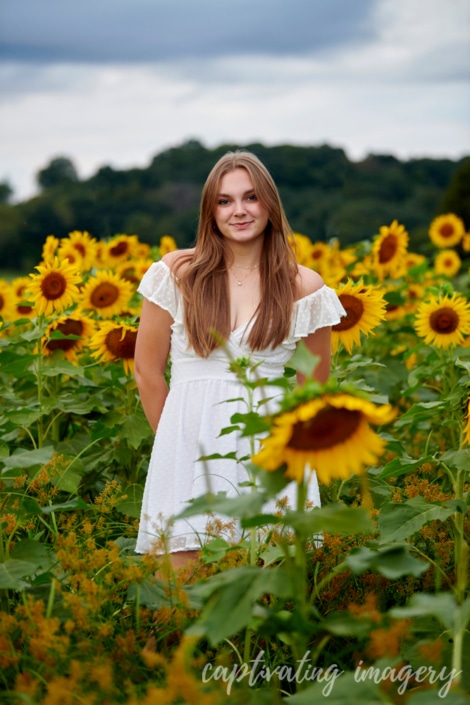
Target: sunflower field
364, 599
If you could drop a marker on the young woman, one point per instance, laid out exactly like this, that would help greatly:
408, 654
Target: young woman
241, 280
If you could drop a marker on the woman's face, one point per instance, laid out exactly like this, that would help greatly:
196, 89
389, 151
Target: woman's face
239, 216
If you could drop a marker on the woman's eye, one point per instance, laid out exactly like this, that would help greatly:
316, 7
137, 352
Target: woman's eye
252, 197
223, 201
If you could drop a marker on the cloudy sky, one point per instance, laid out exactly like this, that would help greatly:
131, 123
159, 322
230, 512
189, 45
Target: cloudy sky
116, 81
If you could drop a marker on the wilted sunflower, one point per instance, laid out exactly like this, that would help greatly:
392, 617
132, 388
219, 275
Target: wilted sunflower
389, 249
49, 249
447, 262
446, 230
444, 320
365, 308
74, 325
7, 301
84, 246
107, 293
119, 249
55, 287
330, 434
20, 287
167, 244
113, 342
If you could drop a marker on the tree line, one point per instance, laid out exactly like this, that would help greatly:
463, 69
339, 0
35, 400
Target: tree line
325, 195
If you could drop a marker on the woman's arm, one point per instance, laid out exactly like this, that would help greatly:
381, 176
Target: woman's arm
151, 355
319, 342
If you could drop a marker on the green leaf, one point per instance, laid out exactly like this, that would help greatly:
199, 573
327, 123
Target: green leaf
57, 366
132, 504
135, 429
11, 572
338, 688
70, 506
392, 562
303, 360
150, 593
29, 458
24, 417
399, 521
441, 605
331, 519
402, 465
243, 505
227, 599
457, 459
32, 552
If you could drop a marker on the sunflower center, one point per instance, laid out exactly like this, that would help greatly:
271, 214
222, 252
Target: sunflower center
354, 309
388, 248
445, 320
119, 249
24, 309
80, 248
327, 429
446, 230
68, 327
104, 294
53, 286
119, 346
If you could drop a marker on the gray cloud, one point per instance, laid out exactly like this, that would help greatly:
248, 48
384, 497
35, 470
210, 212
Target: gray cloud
158, 30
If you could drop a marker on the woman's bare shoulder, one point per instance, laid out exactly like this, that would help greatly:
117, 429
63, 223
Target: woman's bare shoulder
307, 281
178, 259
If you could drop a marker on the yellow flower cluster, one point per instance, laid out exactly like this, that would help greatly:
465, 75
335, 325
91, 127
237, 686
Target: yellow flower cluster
86, 291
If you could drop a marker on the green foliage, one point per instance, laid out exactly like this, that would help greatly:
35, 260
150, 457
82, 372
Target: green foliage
324, 194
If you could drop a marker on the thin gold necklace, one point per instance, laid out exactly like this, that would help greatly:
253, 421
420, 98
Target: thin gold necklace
240, 281
240, 266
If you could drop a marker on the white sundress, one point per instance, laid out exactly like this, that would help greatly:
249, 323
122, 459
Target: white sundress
196, 409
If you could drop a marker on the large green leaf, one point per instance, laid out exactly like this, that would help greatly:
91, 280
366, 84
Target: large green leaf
399, 521
245, 504
29, 458
135, 429
32, 552
227, 599
441, 605
11, 572
332, 519
335, 687
390, 561
131, 505
402, 465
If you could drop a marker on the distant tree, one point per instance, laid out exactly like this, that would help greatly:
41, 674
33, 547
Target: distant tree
456, 198
60, 170
6, 192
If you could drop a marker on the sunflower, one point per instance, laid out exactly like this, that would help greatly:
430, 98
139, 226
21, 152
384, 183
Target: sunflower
119, 249
444, 320
389, 249
84, 246
7, 301
49, 249
20, 287
365, 308
113, 342
107, 293
55, 287
167, 244
330, 434
74, 325
302, 246
413, 259
466, 242
447, 262
446, 230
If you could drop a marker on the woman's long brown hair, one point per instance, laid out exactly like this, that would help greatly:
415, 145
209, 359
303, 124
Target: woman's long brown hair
203, 282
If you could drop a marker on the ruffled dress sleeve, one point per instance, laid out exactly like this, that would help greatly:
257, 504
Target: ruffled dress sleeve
158, 286
317, 310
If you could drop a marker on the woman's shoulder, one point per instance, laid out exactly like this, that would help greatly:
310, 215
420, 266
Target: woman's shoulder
307, 281
178, 260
